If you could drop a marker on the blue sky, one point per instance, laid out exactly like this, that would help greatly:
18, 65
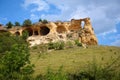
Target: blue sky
104, 14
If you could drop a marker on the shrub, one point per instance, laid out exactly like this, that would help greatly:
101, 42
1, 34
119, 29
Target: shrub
60, 45
51, 45
57, 45
78, 43
6, 41
25, 35
15, 62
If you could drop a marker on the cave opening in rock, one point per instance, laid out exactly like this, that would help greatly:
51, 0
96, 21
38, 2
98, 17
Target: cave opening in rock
44, 30
29, 31
36, 32
17, 33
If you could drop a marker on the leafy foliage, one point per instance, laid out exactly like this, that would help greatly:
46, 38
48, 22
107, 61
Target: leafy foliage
57, 45
78, 43
17, 24
43, 21
9, 25
40, 20
25, 35
6, 41
27, 23
14, 61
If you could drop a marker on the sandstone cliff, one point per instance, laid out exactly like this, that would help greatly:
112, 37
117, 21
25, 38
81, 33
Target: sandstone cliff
55, 31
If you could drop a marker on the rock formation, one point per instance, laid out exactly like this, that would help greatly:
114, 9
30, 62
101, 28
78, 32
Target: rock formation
55, 31
2, 29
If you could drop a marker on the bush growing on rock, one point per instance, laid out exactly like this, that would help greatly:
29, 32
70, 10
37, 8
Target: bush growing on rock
56, 45
78, 43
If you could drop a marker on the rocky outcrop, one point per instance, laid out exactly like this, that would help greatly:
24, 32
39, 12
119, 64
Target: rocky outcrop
55, 31
2, 29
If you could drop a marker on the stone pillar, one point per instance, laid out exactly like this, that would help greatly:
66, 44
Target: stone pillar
38, 31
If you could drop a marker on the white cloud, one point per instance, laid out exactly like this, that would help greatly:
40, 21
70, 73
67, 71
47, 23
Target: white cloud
116, 43
34, 17
104, 14
40, 5
107, 32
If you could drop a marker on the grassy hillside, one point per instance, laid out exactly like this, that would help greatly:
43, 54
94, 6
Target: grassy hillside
74, 59
57, 61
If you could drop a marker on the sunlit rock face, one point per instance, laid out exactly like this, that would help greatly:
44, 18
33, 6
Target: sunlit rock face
40, 33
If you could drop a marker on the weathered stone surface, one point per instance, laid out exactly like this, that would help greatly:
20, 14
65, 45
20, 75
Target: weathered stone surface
55, 31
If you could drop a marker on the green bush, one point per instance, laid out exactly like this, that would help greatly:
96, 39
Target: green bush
51, 45
15, 61
7, 41
25, 35
56, 45
78, 43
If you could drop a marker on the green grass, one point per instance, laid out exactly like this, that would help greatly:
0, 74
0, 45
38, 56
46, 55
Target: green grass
72, 59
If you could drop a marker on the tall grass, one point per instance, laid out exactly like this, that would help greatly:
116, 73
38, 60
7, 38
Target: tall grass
95, 71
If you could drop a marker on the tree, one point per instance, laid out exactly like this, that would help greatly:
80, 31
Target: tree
7, 40
9, 24
27, 23
15, 62
14, 58
44, 21
25, 35
17, 24
40, 20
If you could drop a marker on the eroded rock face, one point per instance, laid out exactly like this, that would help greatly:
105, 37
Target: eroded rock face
54, 31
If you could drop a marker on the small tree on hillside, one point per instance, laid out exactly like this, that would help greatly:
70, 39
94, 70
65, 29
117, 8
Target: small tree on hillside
9, 24
44, 21
27, 23
40, 20
17, 24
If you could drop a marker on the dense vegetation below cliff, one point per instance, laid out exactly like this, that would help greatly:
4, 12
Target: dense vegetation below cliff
56, 61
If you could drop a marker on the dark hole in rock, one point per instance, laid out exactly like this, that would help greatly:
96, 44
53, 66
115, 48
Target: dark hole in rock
36, 32
44, 30
17, 33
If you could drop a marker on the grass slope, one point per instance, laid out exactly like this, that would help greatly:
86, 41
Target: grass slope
73, 59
